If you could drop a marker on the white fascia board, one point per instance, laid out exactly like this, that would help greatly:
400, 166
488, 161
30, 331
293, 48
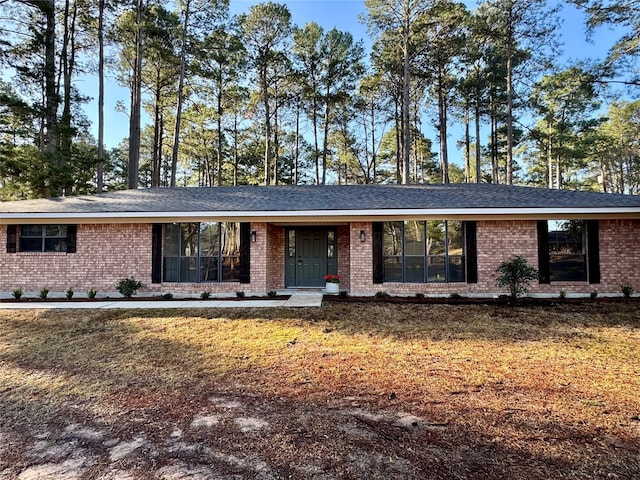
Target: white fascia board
328, 215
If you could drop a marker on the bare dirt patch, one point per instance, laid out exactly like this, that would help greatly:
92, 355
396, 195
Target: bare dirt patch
348, 391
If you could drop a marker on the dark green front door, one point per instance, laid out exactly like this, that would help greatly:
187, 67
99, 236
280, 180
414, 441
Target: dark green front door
311, 258
311, 254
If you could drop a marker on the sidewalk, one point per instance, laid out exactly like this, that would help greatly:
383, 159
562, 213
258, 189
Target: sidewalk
298, 299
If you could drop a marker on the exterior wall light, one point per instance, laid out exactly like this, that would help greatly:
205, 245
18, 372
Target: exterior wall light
363, 236
254, 236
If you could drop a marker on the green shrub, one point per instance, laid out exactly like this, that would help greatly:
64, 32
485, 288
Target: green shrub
343, 294
128, 287
455, 296
419, 295
382, 294
92, 293
593, 295
167, 296
272, 293
516, 274
69, 294
205, 295
17, 293
563, 294
240, 294
43, 293
627, 290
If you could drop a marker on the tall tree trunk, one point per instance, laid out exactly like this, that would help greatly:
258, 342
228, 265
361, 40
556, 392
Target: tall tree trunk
467, 142
156, 154
510, 54
235, 150
325, 140
398, 142
550, 157
50, 94
100, 169
442, 128
478, 146
136, 101
183, 55
267, 123
373, 143
219, 157
406, 94
296, 156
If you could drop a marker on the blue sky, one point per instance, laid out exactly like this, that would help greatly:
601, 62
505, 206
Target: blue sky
343, 15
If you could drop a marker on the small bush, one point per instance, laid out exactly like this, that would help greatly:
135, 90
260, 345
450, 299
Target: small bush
455, 296
272, 293
382, 294
92, 293
240, 294
17, 293
43, 293
205, 295
593, 295
343, 294
69, 294
516, 274
627, 290
167, 296
563, 294
419, 295
128, 287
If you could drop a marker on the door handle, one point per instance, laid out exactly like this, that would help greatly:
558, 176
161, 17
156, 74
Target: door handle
300, 263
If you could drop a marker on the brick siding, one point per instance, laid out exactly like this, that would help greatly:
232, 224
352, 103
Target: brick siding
107, 253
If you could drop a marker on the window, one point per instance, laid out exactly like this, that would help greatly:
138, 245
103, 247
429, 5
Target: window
202, 252
568, 251
421, 251
41, 238
567, 255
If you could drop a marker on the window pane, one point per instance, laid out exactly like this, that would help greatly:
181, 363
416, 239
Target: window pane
209, 239
170, 269
189, 246
171, 235
392, 238
31, 244
209, 269
292, 243
31, 230
566, 236
436, 269
55, 245
230, 239
414, 272
230, 269
568, 268
188, 269
414, 238
55, 230
454, 232
436, 237
393, 269
456, 268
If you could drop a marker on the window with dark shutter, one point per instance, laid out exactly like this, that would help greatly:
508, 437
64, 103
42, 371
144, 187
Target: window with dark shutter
471, 251
12, 237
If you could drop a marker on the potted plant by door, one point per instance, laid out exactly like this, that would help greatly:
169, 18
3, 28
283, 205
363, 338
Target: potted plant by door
332, 284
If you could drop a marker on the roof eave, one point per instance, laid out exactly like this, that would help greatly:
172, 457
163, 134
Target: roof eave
324, 216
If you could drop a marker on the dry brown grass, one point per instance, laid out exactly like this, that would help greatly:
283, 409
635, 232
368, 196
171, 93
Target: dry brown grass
500, 392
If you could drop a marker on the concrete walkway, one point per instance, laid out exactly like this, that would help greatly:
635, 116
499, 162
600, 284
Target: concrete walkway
297, 299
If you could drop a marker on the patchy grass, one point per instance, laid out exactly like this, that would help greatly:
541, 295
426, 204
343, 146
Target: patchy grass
346, 391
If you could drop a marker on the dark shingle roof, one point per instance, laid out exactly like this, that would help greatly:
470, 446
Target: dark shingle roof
375, 198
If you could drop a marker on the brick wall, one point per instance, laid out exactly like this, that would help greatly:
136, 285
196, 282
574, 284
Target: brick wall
499, 240
344, 256
107, 253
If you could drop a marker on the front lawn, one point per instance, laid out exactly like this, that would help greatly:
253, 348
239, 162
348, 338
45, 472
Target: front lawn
346, 391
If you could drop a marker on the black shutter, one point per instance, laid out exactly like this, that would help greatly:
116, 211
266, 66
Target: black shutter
471, 253
245, 252
72, 232
543, 252
593, 251
12, 238
156, 253
378, 267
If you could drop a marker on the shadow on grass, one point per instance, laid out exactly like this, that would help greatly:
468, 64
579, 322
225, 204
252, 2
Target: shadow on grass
153, 371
